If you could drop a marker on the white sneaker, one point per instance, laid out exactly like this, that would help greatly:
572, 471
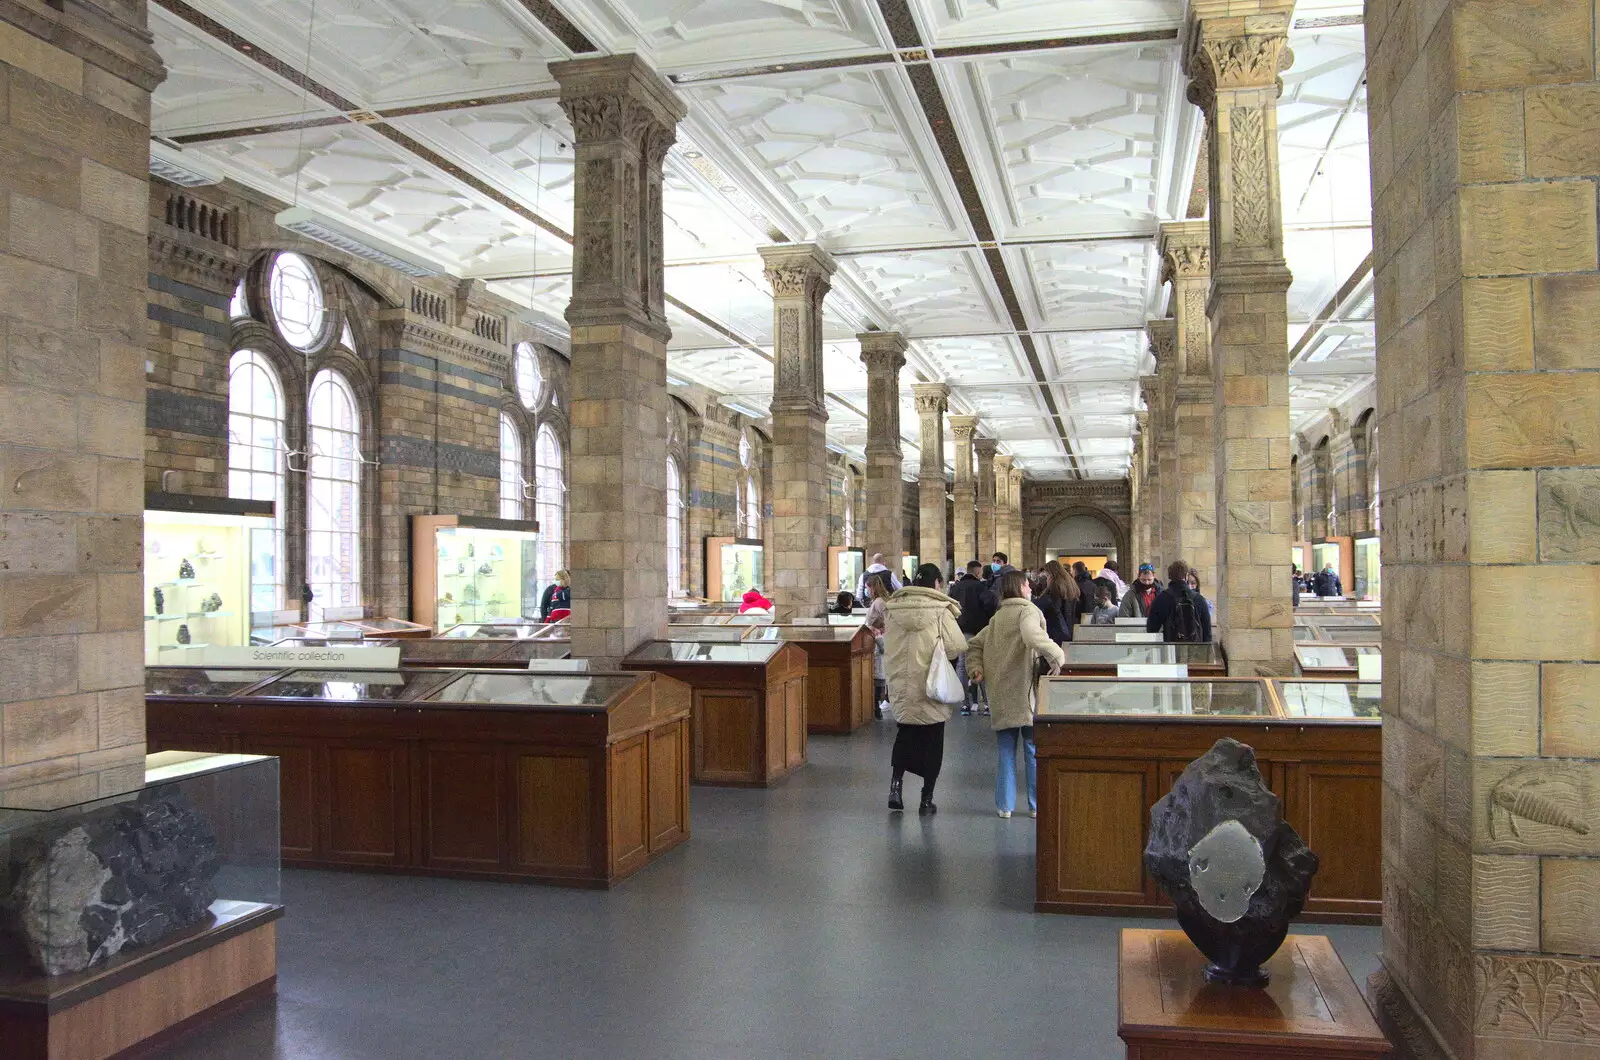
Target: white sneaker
1033, 813
1003, 813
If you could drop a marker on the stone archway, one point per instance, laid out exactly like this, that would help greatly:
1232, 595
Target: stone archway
1059, 517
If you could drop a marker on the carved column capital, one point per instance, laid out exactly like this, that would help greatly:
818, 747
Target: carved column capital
931, 398
884, 354
963, 429
882, 351
801, 276
1185, 248
1162, 335
1228, 53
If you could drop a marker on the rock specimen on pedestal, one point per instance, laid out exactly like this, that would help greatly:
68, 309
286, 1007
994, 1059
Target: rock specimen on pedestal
121, 877
1235, 870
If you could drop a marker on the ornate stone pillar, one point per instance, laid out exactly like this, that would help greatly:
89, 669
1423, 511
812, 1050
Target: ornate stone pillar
624, 118
988, 542
1162, 335
964, 515
1186, 264
1149, 537
1236, 49
800, 274
1019, 537
932, 401
884, 354
1002, 506
1484, 258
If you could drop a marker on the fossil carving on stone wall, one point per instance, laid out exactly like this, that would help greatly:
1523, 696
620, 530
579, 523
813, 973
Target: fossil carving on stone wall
1251, 196
1544, 998
1537, 794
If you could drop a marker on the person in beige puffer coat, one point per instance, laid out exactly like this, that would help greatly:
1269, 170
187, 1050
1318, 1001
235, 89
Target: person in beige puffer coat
917, 618
1004, 654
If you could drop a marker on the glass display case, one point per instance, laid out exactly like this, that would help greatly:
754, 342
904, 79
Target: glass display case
201, 571
505, 629
734, 566
200, 682
352, 685
1368, 568
845, 566
473, 569
721, 634
534, 689
1330, 699
1090, 656
704, 651
1065, 696
1324, 658
186, 848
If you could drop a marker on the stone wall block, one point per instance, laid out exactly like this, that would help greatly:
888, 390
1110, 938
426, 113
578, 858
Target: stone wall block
1537, 806
1507, 890
1565, 320
1503, 513
1533, 420
1569, 918
1570, 706
1531, 42
1561, 130
41, 729
1511, 229
1497, 325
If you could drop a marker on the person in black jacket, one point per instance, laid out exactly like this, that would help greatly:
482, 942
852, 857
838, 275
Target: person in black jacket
1081, 575
557, 596
1167, 617
1061, 602
1327, 582
978, 603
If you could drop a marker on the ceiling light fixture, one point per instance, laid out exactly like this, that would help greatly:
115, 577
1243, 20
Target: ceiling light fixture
313, 225
172, 165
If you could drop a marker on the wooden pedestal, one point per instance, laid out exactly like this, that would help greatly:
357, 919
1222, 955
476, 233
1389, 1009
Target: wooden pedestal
1311, 1010
838, 683
139, 1002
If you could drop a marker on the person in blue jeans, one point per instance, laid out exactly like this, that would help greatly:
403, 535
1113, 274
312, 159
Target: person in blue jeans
1005, 655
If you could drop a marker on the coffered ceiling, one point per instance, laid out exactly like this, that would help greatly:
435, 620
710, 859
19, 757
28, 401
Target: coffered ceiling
988, 174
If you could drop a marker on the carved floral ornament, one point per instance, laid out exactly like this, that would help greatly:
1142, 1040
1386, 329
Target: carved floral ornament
1186, 261
1220, 64
797, 281
598, 118
931, 402
963, 432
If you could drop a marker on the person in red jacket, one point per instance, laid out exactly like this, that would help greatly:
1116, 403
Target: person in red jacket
754, 601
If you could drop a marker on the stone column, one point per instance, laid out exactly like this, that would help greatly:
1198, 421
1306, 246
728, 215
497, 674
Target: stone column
75, 125
1162, 388
624, 117
1186, 264
797, 579
1149, 513
988, 541
884, 354
1235, 51
932, 401
1488, 296
964, 515
1019, 537
1002, 505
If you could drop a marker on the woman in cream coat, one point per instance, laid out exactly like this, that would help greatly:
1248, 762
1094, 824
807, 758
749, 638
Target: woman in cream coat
1004, 654
917, 618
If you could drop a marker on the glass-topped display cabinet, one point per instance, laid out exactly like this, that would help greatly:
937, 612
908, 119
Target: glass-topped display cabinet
845, 567
1107, 750
182, 852
1330, 699
557, 776
719, 633
204, 683
208, 563
1091, 658
1368, 568
503, 629
473, 569
838, 672
748, 705
734, 566
1332, 660
499, 653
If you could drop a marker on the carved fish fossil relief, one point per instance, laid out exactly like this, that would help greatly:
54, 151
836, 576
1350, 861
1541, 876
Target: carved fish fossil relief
1534, 798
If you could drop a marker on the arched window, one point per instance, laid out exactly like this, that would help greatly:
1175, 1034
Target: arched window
675, 523
298, 308
255, 467
333, 501
849, 510
530, 381
752, 508
511, 505
550, 504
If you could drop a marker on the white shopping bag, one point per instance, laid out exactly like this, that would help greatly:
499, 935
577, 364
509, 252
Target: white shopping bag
943, 685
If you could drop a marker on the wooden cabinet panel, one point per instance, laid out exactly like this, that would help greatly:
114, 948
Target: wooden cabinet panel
554, 812
1337, 809
861, 691
1091, 839
366, 804
669, 794
826, 707
795, 721
630, 802
463, 812
727, 736
297, 800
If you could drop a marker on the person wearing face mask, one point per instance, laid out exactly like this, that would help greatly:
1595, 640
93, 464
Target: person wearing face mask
1141, 595
999, 563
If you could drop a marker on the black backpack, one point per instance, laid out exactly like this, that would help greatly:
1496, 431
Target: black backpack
1183, 624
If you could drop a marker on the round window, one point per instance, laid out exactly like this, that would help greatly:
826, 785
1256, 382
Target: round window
530, 383
297, 304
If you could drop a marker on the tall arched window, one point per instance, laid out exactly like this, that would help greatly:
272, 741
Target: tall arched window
255, 467
550, 504
675, 523
333, 501
849, 510
511, 504
750, 511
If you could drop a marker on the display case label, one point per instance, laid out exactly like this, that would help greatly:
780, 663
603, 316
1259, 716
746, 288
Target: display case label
330, 657
1369, 667
1138, 636
1152, 671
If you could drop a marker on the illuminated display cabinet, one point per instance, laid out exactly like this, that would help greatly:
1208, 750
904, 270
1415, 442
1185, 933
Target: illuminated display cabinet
734, 566
205, 558
468, 569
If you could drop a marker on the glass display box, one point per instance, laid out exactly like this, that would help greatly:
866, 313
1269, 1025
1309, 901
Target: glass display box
845, 567
473, 569
186, 848
1089, 657
1368, 568
209, 562
1337, 552
1330, 699
724, 634
734, 566
504, 629
543, 688
838, 673
1327, 660
1237, 699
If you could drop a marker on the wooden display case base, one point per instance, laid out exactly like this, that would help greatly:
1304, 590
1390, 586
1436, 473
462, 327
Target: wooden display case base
1311, 1010
135, 1005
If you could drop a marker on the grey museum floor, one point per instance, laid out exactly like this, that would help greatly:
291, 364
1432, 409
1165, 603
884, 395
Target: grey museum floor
804, 921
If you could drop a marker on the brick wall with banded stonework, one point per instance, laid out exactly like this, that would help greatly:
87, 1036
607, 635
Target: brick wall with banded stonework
1485, 163
74, 136
715, 486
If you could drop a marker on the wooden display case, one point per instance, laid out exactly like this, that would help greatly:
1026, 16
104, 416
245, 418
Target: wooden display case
470, 568
845, 567
749, 718
576, 779
838, 673
1108, 750
733, 566
1341, 552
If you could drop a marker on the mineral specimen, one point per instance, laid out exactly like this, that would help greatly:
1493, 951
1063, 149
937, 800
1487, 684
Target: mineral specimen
1235, 870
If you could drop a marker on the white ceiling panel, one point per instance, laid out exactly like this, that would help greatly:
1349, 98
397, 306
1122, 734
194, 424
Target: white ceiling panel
1091, 285
1322, 129
933, 292
210, 86
723, 34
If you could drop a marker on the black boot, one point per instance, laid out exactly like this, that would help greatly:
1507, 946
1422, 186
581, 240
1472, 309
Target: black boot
927, 807
895, 802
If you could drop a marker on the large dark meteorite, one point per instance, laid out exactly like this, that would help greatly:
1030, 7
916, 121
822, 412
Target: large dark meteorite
121, 877
1236, 871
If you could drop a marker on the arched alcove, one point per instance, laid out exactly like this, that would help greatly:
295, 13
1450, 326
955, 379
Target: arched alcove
1084, 531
